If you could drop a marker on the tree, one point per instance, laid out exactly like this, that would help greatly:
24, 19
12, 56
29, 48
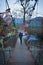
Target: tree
28, 7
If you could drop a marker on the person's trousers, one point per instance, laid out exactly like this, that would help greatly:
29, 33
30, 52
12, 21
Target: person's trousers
21, 40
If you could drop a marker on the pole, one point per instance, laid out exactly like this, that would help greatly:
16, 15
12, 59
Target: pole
24, 15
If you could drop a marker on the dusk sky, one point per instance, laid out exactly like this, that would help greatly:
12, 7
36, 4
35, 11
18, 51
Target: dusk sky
17, 6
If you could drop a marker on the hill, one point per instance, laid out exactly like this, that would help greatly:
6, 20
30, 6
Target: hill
19, 20
36, 22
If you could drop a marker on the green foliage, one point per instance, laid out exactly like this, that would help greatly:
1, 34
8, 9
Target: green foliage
11, 41
34, 30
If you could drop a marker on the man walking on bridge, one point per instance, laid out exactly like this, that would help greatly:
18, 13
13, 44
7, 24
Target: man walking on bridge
20, 36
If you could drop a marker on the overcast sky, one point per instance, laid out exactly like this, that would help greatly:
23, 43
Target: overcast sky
17, 6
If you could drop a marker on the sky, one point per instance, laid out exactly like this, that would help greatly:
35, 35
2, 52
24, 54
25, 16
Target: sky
38, 10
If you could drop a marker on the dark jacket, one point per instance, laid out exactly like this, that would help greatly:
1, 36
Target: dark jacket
20, 35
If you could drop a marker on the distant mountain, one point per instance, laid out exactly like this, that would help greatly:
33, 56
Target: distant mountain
19, 20
36, 22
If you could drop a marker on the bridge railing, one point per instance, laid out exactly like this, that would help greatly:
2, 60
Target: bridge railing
6, 49
5, 55
36, 49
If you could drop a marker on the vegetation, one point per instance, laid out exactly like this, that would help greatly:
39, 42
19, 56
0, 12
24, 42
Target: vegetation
10, 41
34, 30
40, 36
27, 7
